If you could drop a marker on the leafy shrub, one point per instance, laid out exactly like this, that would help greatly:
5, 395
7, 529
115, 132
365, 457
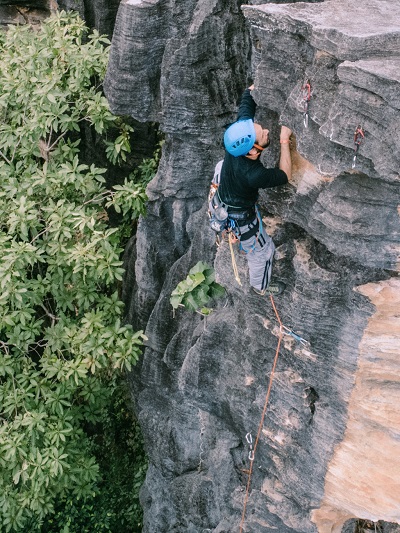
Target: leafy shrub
63, 344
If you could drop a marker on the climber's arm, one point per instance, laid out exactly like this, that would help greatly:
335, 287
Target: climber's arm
285, 161
247, 106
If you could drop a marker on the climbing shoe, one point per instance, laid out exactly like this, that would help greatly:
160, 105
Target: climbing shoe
273, 289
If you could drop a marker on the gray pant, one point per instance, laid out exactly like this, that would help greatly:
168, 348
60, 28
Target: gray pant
259, 251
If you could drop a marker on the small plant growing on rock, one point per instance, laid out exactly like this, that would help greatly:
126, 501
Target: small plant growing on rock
197, 290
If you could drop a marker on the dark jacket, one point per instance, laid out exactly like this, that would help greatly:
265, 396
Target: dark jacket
242, 177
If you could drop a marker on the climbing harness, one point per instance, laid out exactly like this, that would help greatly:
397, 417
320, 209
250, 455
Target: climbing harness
220, 219
287, 331
359, 135
261, 424
235, 234
306, 88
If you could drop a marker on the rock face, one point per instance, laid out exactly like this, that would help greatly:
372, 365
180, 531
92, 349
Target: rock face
374, 414
39, 4
24, 11
329, 444
99, 14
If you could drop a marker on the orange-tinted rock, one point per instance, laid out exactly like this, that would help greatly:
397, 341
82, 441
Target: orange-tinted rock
363, 477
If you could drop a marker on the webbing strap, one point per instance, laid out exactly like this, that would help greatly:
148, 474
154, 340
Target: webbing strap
250, 233
234, 265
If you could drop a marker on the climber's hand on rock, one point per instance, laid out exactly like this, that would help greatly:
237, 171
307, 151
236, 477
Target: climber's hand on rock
251, 87
285, 133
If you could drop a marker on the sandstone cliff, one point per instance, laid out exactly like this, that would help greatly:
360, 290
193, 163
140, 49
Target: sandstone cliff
329, 447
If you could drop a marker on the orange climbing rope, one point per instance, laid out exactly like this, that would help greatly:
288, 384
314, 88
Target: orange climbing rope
260, 427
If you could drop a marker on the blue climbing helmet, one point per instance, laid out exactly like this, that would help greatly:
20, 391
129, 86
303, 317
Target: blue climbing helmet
240, 137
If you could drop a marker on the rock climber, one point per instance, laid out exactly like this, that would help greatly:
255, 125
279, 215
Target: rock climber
241, 176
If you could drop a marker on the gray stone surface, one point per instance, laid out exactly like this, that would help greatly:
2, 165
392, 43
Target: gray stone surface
345, 93
16, 12
346, 29
206, 43
10, 15
39, 4
378, 76
354, 216
201, 384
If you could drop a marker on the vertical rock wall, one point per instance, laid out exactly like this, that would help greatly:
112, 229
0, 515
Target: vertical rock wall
201, 384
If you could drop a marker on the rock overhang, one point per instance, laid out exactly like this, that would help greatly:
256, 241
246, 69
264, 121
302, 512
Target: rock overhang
347, 29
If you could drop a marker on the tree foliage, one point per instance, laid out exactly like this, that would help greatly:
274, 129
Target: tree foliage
62, 338
119, 450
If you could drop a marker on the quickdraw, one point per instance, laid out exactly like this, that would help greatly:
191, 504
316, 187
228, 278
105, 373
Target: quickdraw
287, 331
306, 101
359, 135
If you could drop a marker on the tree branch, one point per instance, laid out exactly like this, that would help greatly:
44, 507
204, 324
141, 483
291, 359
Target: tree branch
50, 315
5, 158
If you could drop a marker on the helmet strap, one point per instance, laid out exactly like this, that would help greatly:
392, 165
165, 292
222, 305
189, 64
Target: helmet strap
258, 147
256, 155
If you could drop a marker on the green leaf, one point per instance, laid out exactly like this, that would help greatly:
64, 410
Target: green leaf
216, 290
197, 289
51, 98
176, 300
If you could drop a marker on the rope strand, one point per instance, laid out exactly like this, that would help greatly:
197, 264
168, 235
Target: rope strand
260, 427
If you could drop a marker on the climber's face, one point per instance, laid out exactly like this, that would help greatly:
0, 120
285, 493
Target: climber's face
262, 135
262, 141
